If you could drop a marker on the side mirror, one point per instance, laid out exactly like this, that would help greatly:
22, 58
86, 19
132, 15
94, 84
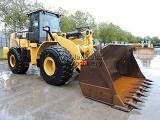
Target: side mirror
46, 28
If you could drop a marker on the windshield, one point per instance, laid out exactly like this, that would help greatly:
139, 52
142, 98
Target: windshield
50, 20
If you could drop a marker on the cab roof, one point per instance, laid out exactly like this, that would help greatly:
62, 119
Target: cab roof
43, 10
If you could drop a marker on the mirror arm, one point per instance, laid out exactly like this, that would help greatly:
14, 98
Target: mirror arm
50, 34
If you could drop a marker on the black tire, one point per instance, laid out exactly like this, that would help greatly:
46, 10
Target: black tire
25, 67
19, 67
63, 65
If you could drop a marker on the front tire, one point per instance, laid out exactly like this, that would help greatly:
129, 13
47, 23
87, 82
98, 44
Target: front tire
56, 65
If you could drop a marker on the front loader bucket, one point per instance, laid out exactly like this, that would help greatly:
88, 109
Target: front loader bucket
112, 76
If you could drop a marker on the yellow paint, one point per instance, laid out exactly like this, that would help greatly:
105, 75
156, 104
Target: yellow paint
5, 52
13, 36
12, 60
49, 66
33, 53
33, 44
43, 46
78, 42
23, 42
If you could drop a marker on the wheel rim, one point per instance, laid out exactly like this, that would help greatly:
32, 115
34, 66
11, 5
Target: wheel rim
49, 66
12, 61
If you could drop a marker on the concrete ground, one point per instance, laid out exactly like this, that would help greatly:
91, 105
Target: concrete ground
29, 97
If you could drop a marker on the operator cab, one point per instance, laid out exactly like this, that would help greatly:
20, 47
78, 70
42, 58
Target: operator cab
39, 19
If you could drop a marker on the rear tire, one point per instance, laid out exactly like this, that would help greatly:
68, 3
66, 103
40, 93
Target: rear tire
56, 65
15, 61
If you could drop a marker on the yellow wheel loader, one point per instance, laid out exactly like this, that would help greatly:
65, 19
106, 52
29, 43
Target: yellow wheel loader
109, 75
